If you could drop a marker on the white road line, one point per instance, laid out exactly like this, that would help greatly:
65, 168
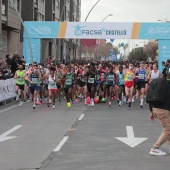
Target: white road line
59, 146
81, 117
5, 137
12, 107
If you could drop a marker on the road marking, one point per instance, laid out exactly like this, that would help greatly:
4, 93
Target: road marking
59, 146
5, 136
12, 107
130, 140
81, 117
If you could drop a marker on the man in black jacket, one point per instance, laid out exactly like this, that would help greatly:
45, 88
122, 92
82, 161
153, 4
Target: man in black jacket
162, 113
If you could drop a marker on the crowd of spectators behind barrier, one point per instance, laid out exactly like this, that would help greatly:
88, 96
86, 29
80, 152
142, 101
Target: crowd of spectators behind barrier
9, 65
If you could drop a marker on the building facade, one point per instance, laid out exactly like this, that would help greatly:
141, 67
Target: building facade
11, 30
10, 27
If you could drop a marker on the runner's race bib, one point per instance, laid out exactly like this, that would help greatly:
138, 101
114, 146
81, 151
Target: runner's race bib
52, 83
130, 77
111, 78
20, 80
68, 82
90, 80
141, 76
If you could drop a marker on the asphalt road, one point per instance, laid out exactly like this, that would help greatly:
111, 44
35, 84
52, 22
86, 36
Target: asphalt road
79, 138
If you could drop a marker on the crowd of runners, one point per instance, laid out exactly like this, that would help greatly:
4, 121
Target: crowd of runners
96, 82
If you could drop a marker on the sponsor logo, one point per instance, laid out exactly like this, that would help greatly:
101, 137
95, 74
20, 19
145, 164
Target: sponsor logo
79, 31
160, 31
40, 30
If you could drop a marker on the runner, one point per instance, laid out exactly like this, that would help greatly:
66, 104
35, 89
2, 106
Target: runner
34, 79
91, 83
20, 84
121, 87
141, 75
68, 77
129, 77
59, 85
52, 86
110, 80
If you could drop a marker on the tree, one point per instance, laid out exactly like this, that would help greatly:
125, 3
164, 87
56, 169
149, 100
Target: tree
138, 54
150, 50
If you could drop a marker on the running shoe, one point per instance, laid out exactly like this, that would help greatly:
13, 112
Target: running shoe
50, 101
53, 106
110, 104
34, 106
92, 104
133, 100
157, 152
120, 103
48, 104
45, 99
20, 103
69, 104
129, 108
41, 103
17, 98
24, 100
141, 106
37, 103
59, 100
85, 103
76, 100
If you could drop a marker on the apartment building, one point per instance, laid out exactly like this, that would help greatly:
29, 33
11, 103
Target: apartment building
10, 27
11, 30
54, 10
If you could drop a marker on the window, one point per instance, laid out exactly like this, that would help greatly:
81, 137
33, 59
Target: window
15, 4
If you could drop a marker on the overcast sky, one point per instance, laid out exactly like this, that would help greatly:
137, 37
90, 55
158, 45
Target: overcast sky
126, 10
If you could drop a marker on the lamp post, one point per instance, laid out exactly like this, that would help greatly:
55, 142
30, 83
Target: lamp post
110, 15
85, 21
26, 32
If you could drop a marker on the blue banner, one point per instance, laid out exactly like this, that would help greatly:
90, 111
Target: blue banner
164, 52
42, 29
35, 45
154, 31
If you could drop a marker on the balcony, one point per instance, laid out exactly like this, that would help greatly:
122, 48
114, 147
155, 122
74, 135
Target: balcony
4, 13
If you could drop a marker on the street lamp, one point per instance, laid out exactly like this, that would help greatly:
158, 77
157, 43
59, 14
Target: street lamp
26, 32
110, 15
91, 10
85, 21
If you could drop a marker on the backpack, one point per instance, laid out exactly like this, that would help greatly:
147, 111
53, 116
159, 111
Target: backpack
157, 91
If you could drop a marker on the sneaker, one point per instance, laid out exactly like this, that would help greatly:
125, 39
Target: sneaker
41, 103
48, 105
37, 103
50, 101
69, 104
76, 100
17, 98
45, 99
133, 100
34, 106
53, 106
92, 104
59, 100
20, 104
85, 103
157, 152
120, 103
24, 100
117, 100
110, 104
141, 106
129, 108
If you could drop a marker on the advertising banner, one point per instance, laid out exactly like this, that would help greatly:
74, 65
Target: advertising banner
7, 89
164, 52
35, 45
